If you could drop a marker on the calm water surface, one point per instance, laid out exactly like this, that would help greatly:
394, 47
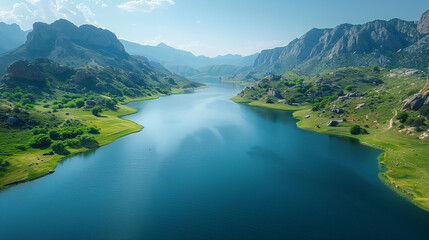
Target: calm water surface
207, 168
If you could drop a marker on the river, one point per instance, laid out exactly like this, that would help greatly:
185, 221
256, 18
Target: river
205, 167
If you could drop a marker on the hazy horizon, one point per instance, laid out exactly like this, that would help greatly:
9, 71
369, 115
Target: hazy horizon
205, 27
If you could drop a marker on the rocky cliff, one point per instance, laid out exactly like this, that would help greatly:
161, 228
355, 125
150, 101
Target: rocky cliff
67, 44
372, 43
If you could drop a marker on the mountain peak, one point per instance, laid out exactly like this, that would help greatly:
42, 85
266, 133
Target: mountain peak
45, 37
423, 25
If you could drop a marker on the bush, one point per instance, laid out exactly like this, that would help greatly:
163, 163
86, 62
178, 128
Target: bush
93, 130
40, 141
3, 165
54, 135
356, 130
60, 148
37, 131
402, 117
80, 103
96, 111
21, 147
88, 141
73, 143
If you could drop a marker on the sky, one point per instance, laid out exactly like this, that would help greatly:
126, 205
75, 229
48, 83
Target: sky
210, 27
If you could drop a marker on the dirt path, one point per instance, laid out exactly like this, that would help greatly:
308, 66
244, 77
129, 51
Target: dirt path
391, 120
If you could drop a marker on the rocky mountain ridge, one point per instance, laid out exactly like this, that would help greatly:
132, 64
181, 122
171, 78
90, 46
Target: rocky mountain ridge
73, 46
374, 43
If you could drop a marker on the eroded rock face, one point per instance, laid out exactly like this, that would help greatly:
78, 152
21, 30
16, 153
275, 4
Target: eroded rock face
423, 25
273, 93
23, 70
416, 102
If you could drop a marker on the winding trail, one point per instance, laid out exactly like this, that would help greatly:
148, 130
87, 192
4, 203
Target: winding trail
391, 120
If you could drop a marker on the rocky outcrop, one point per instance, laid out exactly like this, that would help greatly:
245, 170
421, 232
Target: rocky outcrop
337, 110
416, 102
12, 120
23, 70
273, 93
334, 123
423, 25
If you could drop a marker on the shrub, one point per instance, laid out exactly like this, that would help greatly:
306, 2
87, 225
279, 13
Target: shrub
93, 130
37, 131
96, 111
3, 165
54, 135
60, 148
418, 122
356, 130
74, 142
402, 117
88, 141
80, 103
40, 141
21, 147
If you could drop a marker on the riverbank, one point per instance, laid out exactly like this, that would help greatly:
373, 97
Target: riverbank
406, 172
35, 163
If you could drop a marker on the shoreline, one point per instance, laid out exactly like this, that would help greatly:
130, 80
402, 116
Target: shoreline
127, 127
299, 113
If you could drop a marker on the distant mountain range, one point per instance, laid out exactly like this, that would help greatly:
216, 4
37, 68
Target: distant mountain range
187, 64
11, 36
394, 43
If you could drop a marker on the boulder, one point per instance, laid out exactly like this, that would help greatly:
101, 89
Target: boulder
12, 120
360, 105
337, 110
334, 123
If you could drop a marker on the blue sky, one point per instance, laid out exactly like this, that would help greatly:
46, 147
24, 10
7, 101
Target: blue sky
210, 27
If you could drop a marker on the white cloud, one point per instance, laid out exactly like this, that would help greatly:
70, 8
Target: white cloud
145, 5
27, 12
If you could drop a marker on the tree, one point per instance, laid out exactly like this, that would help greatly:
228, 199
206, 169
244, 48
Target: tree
402, 117
60, 148
3, 165
88, 141
355, 130
96, 111
54, 135
80, 103
40, 141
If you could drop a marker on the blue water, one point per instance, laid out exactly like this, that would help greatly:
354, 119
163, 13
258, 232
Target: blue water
205, 167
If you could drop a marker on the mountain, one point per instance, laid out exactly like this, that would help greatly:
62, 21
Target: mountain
73, 46
84, 58
11, 36
385, 43
183, 62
